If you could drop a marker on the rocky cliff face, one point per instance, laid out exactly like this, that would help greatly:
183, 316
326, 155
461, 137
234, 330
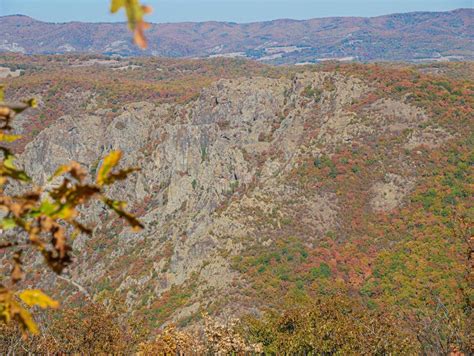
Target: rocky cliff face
221, 177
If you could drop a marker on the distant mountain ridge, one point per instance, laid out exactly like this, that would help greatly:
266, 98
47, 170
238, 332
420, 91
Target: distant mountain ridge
417, 36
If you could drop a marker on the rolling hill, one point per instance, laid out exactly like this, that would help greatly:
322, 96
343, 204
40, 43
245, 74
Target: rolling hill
419, 36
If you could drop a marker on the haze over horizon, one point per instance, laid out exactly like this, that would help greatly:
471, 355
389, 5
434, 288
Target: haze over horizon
224, 10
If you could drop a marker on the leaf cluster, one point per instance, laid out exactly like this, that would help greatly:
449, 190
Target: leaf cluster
135, 15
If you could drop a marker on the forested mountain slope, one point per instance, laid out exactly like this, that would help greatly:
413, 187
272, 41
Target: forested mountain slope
419, 36
265, 187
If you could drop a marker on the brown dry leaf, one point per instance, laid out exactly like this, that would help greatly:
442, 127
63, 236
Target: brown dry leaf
17, 271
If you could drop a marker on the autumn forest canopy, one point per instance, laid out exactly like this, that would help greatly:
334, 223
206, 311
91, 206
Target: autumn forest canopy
223, 205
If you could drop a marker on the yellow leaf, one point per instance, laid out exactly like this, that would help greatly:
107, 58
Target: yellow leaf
73, 168
60, 171
109, 163
27, 320
139, 38
135, 13
8, 138
116, 5
7, 224
66, 212
33, 297
8, 162
2, 93
32, 103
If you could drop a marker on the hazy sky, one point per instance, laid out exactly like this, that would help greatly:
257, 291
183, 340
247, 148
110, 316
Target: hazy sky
224, 10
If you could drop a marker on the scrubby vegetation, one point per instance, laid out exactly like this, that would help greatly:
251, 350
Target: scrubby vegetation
389, 276
408, 270
335, 325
